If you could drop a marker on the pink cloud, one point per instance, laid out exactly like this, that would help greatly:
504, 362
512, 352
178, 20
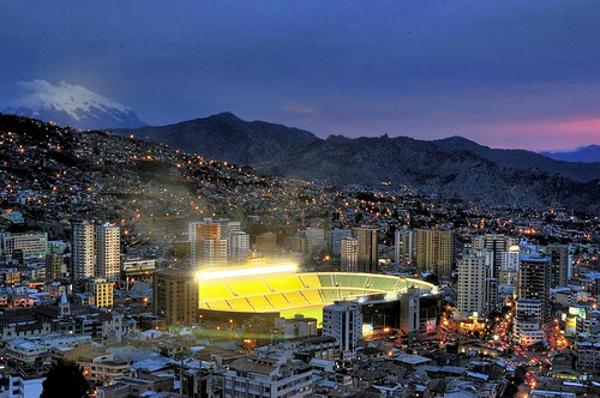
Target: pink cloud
543, 134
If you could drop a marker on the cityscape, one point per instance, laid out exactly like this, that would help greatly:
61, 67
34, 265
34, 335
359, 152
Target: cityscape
219, 256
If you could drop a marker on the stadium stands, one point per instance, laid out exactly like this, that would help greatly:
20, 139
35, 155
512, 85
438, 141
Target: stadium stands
249, 288
284, 293
278, 300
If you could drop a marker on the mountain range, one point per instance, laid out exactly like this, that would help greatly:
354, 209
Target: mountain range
451, 167
585, 154
226, 137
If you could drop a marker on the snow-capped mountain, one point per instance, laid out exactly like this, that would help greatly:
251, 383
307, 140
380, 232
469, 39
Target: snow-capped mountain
71, 104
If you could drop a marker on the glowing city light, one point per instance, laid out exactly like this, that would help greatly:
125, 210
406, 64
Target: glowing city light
240, 272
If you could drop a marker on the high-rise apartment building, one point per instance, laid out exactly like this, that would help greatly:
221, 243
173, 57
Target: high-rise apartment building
349, 255
477, 290
198, 231
212, 252
343, 321
208, 246
176, 296
24, 244
228, 227
367, 248
510, 265
534, 281
560, 265
108, 252
192, 238
334, 240
54, 266
434, 251
410, 311
208, 230
238, 247
312, 240
497, 244
404, 245
83, 250
527, 322
588, 356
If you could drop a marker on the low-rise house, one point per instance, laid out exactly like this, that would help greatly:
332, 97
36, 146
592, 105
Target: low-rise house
104, 369
266, 377
127, 387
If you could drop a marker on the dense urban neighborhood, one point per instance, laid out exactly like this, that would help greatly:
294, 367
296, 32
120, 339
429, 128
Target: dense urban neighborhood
161, 273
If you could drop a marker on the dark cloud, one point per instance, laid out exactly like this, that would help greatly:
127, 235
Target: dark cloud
425, 69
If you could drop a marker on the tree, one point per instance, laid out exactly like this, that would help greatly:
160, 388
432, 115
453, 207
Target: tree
65, 379
520, 375
510, 390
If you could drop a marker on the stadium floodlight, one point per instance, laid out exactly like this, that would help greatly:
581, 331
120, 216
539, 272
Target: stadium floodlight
210, 275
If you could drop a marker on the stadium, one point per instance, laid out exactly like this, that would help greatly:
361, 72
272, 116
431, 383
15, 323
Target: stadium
278, 291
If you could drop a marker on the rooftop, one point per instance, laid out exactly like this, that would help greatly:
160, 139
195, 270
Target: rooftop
251, 366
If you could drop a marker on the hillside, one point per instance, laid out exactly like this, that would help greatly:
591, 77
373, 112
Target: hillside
523, 160
453, 167
226, 137
53, 174
456, 174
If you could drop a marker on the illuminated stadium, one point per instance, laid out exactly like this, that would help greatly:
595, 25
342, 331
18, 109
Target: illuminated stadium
278, 290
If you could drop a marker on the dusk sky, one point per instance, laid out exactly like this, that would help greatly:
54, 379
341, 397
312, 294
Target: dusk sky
504, 73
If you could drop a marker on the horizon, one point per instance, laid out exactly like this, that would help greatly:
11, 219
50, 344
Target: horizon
324, 137
516, 75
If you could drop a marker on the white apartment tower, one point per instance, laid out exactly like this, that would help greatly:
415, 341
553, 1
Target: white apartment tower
404, 245
349, 254
527, 321
228, 227
510, 265
498, 244
212, 252
208, 245
108, 252
192, 237
343, 321
334, 240
476, 287
83, 255
238, 247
